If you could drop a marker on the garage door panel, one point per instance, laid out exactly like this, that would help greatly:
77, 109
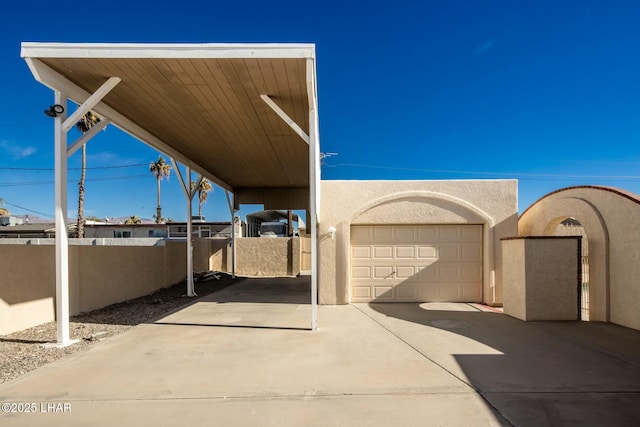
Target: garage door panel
471, 293
406, 252
470, 233
382, 234
427, 273
449, 292
427, 233
360, 272
405, 292
471, 252
382, 272
426, 252
383, 252
448, 272
361, 292
383, 292
405, 272
448, 233
361, 252
471, 273
405, 233
416, 263
360, 234
428, 293
448, 252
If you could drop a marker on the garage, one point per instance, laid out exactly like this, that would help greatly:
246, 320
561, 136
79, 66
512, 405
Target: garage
416, 263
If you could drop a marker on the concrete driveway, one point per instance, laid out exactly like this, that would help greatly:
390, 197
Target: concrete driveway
243, 356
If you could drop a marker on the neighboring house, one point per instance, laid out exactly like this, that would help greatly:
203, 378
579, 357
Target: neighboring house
176, 230
33, 231
95, 230
10, 220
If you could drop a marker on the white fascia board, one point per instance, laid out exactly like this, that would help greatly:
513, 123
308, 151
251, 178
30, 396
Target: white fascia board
164, 50
50, 78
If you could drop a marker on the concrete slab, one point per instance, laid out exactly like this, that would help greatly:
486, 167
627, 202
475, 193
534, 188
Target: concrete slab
243, 357
537, 373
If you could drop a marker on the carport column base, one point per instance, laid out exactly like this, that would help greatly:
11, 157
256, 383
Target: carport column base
59, 344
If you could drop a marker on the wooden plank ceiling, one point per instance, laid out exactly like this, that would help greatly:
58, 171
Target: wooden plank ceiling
210, 111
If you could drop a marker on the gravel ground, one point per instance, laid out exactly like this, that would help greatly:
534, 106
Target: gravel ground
23, 351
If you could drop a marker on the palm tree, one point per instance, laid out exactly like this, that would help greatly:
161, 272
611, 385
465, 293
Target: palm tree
133, 219
3, 211
87, 121
203, 193
159, 169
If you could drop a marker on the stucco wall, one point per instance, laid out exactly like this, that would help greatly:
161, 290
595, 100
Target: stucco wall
343, 203
541, 278
99, 275
107, 271
256, 256
27, 286
611, 220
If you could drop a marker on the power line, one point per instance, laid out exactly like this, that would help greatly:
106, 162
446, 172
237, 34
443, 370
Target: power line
507, 174
109, 178
88, 168
46, 215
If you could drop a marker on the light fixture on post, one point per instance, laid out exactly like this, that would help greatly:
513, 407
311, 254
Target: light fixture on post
332, 230
54, 110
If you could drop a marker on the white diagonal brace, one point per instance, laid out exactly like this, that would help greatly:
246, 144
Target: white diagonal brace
91, 102
55, 81
194, 189
185, 189
288, 120
87, 136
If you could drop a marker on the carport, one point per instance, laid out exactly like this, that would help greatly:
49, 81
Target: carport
244, 116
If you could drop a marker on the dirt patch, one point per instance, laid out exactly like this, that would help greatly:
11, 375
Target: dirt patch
22, 352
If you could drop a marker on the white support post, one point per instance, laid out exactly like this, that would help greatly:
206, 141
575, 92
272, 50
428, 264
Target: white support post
188, 194
62, 238
190, 286
314, 184
232, 211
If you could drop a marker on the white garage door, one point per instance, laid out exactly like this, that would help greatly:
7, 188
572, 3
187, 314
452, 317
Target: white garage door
403, 263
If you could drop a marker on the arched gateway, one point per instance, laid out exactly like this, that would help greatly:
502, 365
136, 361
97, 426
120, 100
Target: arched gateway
610, 218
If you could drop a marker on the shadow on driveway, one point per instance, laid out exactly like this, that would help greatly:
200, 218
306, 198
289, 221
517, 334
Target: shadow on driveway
534, 374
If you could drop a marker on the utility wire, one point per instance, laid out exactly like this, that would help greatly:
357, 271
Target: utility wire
46, 215
88, 168
108, 178
508, 174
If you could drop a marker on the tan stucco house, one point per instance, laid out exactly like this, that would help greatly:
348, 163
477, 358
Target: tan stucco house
256, 135
408, 241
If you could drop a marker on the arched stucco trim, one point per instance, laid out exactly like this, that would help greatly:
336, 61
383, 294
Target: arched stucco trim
488, 222
619, 191
422, 195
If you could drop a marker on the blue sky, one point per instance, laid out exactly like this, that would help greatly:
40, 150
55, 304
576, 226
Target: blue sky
545, 92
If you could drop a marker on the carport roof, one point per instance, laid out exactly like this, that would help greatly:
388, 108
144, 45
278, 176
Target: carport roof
202, 104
